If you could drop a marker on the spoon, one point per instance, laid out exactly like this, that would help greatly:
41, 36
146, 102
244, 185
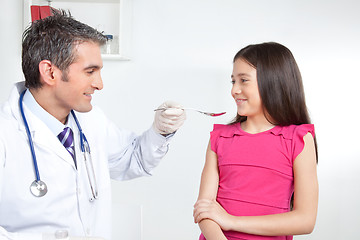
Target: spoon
193, 109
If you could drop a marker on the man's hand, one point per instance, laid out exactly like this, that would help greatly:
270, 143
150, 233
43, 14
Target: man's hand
170, 118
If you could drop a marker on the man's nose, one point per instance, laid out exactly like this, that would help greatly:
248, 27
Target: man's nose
98, 83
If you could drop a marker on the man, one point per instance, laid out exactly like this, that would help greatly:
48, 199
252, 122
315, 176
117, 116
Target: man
65, 189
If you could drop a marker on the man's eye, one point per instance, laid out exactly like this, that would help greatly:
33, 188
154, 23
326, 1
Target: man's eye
232, 82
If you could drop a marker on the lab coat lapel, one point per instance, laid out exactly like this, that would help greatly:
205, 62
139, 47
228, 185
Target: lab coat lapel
40, 133
44, 138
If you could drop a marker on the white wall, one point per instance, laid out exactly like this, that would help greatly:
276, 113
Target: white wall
182, 50
10, 45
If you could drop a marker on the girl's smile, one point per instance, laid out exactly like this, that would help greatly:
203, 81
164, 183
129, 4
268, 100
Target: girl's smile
245, 89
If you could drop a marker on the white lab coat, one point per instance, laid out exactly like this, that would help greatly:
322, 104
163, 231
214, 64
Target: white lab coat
116, 154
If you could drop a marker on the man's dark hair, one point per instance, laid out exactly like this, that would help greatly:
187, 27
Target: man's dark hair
54, 38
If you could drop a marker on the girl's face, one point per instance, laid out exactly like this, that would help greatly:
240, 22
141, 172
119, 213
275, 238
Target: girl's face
245, 90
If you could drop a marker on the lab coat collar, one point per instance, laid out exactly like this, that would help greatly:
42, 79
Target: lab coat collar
41, 134
51, 122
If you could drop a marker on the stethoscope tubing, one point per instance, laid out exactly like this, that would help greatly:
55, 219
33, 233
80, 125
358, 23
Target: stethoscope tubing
82, 135
85, 147
29, 136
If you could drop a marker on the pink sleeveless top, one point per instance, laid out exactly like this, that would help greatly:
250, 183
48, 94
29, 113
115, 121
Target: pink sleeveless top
256, 170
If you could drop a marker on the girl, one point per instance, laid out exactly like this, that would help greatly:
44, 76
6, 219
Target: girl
265, 160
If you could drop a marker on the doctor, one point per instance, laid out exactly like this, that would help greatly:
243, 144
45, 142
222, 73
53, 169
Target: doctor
54, 186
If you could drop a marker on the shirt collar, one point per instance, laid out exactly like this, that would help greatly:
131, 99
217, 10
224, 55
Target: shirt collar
235, 129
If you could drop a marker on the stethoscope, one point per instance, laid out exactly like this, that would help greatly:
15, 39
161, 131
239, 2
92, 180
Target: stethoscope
38, 188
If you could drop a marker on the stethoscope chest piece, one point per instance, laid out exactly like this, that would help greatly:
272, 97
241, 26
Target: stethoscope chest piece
38, 188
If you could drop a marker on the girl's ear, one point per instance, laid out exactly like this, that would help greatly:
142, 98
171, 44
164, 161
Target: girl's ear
47, 72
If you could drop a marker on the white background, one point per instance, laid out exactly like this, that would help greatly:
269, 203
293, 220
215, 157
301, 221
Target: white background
183, 50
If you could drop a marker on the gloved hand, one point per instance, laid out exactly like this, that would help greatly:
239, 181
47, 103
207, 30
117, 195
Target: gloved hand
169, 120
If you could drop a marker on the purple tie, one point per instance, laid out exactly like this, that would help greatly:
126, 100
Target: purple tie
66, 137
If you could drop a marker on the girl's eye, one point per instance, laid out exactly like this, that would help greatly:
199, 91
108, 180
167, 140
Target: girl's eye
242, 80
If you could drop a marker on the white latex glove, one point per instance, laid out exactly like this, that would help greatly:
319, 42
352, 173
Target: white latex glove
169, 120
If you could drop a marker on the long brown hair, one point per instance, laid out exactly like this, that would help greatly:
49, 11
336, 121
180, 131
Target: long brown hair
280, 84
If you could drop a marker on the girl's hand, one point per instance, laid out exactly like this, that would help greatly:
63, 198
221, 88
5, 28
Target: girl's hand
211, 209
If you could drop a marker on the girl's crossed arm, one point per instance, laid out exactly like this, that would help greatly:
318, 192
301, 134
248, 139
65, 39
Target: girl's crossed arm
208, 191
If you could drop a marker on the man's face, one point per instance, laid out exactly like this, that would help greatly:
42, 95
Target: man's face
80, 80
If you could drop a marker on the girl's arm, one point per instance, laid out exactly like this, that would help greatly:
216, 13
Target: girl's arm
208, 191
301, 220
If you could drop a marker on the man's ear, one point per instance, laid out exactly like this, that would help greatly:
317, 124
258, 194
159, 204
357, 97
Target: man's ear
47, 72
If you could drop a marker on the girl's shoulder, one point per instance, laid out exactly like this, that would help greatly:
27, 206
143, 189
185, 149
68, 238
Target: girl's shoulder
225, 130
294, 131
295, 134
221, 131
